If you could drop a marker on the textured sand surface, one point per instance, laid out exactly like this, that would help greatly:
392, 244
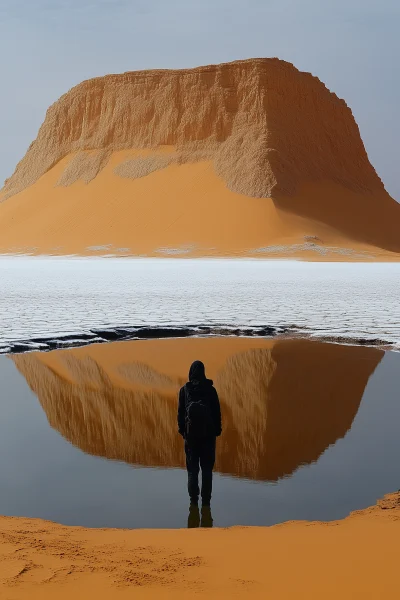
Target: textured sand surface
265, 125
353, 559
283, 402
218, 160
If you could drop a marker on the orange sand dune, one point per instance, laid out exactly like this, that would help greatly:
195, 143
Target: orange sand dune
283, 401
251, 158
353, 559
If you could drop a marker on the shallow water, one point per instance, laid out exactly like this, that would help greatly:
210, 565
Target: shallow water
88, 436
49, 297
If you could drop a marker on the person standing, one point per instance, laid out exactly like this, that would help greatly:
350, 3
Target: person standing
199, 423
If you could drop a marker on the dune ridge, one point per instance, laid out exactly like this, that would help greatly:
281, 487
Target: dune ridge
283, 403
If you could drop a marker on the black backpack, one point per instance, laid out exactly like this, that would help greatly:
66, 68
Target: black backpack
198, 422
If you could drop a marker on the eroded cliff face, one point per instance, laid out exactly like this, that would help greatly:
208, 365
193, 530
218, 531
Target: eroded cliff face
282, 406
266, 127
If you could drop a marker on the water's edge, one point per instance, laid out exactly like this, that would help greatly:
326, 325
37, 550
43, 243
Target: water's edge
126, 333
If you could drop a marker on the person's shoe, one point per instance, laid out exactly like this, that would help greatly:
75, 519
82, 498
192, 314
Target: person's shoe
206, 517
194, 516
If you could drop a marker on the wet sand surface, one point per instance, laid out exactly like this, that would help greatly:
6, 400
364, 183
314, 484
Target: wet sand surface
308, 428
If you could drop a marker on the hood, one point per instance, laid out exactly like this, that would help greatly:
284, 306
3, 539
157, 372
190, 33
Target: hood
197, 372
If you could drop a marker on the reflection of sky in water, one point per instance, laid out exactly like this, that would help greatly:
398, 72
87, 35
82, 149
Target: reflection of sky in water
44, 476
70, 296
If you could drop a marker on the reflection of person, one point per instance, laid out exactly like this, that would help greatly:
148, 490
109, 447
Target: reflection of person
199, 423
206, 517
194, 517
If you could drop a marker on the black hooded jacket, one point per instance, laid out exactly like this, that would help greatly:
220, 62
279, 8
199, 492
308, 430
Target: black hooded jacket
199, 386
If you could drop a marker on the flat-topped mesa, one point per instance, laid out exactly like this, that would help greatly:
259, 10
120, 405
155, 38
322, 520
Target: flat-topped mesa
266, 126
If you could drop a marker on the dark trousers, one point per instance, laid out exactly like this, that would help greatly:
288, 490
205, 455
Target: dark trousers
200, 454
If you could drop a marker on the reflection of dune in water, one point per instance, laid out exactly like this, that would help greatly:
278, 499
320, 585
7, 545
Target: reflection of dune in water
282, 406
243, 386
138, 373
288, 404
135, 426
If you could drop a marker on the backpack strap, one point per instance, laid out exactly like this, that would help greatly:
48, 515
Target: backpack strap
186, 396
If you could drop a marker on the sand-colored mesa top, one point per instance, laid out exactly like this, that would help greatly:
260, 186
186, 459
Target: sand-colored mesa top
353, 559
250, 158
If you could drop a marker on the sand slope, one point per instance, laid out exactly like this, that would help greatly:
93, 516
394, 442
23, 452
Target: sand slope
283, 402
220, 160
353, 559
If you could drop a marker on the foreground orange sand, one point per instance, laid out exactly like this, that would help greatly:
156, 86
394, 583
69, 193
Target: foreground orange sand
356, 559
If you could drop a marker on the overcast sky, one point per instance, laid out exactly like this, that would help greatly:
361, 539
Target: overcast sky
353, 46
